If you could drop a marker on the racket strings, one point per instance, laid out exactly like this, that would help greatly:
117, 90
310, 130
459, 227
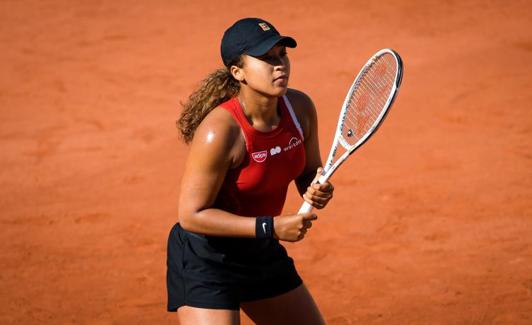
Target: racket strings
369, 98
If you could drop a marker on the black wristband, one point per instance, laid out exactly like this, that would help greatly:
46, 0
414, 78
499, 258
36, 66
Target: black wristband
264, 227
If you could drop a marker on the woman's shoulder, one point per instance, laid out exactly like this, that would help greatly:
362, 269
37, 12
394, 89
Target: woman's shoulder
218, 125
220, 135
304, 109
299, 99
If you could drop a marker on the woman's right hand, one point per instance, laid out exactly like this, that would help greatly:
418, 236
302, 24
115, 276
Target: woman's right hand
293, 228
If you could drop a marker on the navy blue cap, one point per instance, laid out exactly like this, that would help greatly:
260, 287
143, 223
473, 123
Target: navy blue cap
252, 36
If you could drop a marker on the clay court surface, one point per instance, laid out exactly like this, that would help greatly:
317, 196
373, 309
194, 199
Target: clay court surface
431, 221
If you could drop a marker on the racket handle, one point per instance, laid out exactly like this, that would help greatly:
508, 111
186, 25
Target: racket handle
307, 207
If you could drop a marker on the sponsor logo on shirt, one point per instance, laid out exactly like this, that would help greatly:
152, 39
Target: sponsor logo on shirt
274, 151
259, 156
294, 142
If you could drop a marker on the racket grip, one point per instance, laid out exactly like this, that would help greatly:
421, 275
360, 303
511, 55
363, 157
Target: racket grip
305, 207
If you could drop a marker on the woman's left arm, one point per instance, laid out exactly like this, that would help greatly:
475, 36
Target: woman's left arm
318, 195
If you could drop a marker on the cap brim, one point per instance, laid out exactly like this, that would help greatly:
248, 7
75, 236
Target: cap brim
267, 44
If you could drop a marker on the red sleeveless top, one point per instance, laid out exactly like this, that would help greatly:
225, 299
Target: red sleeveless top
273, 159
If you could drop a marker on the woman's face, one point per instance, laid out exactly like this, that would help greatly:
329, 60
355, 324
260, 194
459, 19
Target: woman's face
267, 74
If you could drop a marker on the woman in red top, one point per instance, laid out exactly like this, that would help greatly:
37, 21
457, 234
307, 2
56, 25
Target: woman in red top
250, 136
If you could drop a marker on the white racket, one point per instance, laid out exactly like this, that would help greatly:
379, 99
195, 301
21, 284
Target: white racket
365, 106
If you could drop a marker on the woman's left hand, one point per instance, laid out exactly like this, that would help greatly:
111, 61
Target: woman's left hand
318, 195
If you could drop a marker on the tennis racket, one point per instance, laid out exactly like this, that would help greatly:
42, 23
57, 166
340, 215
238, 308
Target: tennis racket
368, 100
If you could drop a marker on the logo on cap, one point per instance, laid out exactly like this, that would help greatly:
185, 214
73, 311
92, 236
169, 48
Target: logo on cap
264, 26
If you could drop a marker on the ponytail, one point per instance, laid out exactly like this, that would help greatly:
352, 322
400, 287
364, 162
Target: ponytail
217, 88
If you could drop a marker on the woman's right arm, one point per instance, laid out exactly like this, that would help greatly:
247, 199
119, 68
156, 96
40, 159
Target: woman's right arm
210, 157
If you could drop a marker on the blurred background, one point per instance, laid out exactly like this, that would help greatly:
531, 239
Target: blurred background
432, 218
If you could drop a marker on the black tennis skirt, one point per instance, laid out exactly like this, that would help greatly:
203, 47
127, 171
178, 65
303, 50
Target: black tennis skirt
220, 273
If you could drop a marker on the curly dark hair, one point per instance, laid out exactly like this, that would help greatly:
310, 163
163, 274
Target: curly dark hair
217, 88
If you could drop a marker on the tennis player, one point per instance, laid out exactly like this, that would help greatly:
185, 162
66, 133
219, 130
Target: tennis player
250, 136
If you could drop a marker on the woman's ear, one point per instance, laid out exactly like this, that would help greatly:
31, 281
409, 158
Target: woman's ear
238, 73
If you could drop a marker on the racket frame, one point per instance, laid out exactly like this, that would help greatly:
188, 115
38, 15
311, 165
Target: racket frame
330, 167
